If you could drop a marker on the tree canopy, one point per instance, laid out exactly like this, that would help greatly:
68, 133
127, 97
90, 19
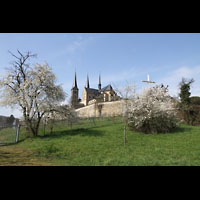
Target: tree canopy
33, 89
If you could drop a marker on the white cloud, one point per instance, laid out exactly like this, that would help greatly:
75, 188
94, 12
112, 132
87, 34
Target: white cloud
78, 44
174, 77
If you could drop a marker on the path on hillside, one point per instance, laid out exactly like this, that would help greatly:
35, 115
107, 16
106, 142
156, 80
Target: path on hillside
17, 156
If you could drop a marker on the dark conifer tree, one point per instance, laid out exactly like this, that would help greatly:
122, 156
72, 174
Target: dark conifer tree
185, 92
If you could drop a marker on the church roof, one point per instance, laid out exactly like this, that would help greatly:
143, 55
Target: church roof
92, 90
107, 88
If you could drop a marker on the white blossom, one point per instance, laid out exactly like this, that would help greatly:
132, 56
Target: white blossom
151, 111
33, 89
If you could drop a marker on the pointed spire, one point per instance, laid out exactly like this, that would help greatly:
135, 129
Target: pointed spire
87, 84
75, 82
99, 86
99, 78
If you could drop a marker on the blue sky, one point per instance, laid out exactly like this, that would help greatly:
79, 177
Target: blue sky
119, 57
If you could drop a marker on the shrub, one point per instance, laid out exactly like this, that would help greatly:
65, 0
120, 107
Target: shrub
153, 111
190, 114
195, 100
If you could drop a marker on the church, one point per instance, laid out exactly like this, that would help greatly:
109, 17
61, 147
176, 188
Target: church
91, 95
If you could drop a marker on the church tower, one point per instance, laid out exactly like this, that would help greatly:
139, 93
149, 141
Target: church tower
99, 85
87, 83
74, 94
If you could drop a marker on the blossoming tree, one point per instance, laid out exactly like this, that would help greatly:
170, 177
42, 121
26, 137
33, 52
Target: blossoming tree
32, 89
153, 111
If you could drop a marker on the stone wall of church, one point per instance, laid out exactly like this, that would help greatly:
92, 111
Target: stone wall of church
106, 109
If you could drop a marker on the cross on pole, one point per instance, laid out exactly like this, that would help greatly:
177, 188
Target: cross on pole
148, 80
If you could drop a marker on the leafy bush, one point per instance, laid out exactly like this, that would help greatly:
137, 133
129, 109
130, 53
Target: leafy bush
153, 111
190, 114
195, 100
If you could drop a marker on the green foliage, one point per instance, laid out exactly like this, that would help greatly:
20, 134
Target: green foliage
189, 107
185, 92
190, 114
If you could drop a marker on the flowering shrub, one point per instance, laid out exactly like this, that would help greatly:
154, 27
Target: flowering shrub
153, 111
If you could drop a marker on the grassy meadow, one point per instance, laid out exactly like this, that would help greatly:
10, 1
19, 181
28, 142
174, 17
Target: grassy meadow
7, 135
102, 144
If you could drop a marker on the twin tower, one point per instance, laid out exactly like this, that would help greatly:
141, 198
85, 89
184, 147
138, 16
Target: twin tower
91, 95
75, 101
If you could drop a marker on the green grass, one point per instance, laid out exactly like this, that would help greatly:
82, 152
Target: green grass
7, 135
102, 144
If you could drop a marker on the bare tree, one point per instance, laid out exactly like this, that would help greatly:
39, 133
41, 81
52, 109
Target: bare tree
30, 88
126, 92
60, 113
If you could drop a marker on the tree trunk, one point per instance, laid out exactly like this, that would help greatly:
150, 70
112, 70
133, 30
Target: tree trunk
31, 127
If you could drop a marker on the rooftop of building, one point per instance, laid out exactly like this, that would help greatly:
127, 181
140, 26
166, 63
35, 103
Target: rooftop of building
106, 88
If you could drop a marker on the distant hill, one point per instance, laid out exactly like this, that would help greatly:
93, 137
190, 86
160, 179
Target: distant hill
7, 121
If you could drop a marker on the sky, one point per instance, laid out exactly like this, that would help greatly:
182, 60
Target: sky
118, 57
